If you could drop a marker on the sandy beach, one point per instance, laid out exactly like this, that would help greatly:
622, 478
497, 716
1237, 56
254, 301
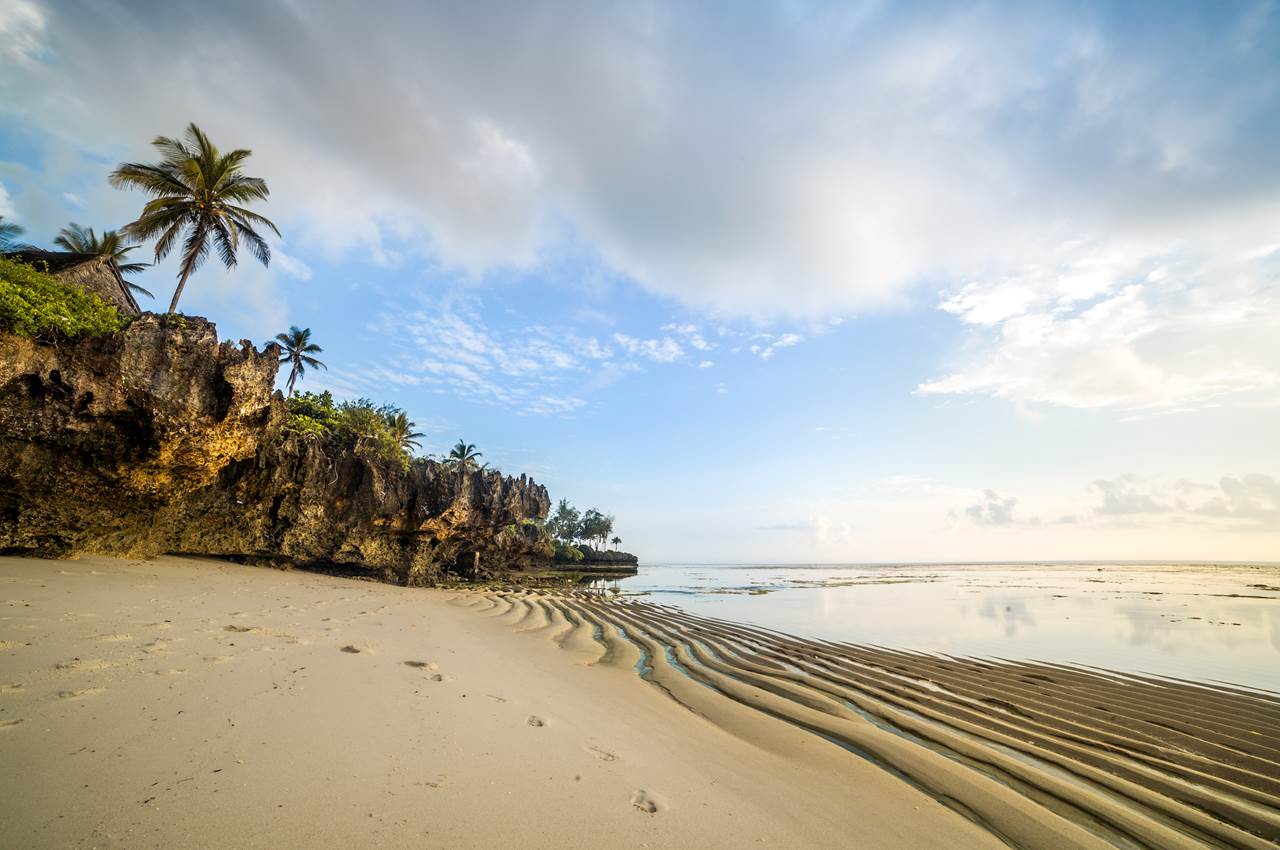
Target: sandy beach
198, 703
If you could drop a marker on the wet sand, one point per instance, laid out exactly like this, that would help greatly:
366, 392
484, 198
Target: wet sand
195, 703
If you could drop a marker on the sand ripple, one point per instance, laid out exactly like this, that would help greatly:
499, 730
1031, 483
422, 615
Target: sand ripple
1039, 754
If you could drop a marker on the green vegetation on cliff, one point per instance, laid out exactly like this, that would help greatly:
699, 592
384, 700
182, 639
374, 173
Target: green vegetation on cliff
36, 304
370, 430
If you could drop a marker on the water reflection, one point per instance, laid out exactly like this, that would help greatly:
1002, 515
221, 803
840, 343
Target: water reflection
1217, 623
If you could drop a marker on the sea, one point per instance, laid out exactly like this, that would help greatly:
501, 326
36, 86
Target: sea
1210, 623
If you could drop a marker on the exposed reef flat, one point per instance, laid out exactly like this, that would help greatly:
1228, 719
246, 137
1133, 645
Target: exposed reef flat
1038, 755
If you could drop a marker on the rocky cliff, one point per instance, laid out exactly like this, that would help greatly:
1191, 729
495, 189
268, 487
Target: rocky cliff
160, 438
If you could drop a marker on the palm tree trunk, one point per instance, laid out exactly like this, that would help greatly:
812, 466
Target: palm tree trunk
177, 293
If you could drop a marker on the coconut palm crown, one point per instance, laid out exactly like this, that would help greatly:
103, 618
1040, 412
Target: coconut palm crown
196, 193
296, 350
402, 430
82, 240
9, 233
464, 456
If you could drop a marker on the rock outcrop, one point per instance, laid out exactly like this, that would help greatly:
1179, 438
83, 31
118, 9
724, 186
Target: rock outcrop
160, 439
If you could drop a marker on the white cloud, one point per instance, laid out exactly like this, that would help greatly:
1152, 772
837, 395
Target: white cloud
706, 364
6, 203
1134, 332
881, 147
1109, 205
722, 389
21, 28
665, 350
692, 333
992, 509
290, 265
767, 350
75, 200
1247, 501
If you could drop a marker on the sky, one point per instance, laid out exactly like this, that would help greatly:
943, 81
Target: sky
771, 282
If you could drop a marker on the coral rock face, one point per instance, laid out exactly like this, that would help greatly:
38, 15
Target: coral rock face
160, 438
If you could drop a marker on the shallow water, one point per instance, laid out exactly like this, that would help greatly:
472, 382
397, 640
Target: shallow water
1216, 623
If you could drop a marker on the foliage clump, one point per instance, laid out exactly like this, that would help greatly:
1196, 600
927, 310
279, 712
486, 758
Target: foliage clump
569, 526
36, 304
373, 431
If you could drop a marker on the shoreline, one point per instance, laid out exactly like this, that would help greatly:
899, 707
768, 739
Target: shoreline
199, 703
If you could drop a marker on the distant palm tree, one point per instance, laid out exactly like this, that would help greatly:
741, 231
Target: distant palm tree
297, 350
195, 192
82, 240
617, 541
402, 430
9, 233
464, 456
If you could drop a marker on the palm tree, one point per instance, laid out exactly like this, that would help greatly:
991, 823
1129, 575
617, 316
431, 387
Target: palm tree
464, 456
616, 541
402, 430
9, 233
196, 191
82, 240
297, 350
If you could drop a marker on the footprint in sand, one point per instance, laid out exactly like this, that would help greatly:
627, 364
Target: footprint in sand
86, 664
118, 638
9, 724
642, 801
421, 665
356, 650
217, 659
9, 644
603, 755
436, 677
80, 694
536, 721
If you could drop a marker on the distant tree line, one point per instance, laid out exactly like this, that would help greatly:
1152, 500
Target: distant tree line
569, 526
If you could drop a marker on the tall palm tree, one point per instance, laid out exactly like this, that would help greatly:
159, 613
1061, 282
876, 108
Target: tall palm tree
9, 233
402, 430
616, 541
464, 456
82, 240
196, 191
297, 349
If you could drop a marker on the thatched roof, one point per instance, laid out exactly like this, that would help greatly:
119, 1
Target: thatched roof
94, 273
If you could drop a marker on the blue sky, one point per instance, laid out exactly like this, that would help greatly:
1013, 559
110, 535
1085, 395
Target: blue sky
792, 281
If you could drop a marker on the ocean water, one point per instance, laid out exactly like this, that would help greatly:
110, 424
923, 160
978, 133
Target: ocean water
1208, 623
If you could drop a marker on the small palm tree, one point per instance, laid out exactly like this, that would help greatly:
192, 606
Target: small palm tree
196, 191
82, 240
402, 430
297, 350
464, 456
9, 233
617, 541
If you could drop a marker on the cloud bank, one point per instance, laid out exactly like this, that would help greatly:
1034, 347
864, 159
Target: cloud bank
1099, 207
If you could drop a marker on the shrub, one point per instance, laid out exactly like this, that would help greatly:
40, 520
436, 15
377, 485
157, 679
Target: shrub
567, 554
359, 425
36, 304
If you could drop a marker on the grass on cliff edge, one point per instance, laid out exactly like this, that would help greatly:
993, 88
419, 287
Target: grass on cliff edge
38, 305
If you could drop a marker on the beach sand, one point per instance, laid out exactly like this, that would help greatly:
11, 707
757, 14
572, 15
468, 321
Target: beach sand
197, 703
